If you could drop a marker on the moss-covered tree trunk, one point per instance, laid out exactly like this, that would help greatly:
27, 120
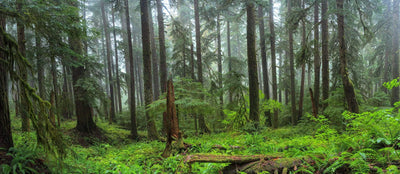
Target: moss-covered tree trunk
202, 122
85, 122
348, 87
148, 87
6, 140
24, 106
252, 64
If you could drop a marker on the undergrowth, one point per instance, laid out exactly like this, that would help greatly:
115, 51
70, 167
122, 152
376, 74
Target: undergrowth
370, 142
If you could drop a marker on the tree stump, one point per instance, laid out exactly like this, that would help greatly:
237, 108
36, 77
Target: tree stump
171, 123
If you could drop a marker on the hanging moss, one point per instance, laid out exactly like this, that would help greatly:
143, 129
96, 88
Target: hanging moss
47, 135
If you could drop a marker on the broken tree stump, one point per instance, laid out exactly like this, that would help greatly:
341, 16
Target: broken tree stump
171, 123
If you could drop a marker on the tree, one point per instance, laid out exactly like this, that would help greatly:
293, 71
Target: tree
163, 57
148, 88
264, 61
317, 60
24, 106
395, 47
219, 52
325, 52
85, 122
291, 62
228, 41
109, 62
117, 64
6, 140
348, 87
275, 121
252, 64
156, 81
132, 104
202, 122
302, 64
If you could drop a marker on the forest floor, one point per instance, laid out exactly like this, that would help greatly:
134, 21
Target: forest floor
307, 148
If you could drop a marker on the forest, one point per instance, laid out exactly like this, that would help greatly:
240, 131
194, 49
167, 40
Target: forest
199, 86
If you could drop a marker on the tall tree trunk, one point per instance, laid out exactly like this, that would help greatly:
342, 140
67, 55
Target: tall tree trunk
317, 60
109, 63
264, 62
348, 87
325, 55
292, 70
6, 140
39, 65
54, 92
303, 65
395, 47
228, 38
275, 121
388, 44
24, 106
132, 105
148, 87
202, 122
156, 81
163, 57
84, 116
219, 52
252, 64
117, 64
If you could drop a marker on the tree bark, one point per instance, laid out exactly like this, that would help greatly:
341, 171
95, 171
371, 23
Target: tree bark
325, 55
163, 57
317, 60
6, 140
132, 105
202, 122
24, 106
252, 64
148, 88
85, 122
264, 62
275, 121
292, 70
156, 81
303, 65
348, 87
228, 38
388, 45
39, 65
117, 64
219, 52
395, 47
109, 62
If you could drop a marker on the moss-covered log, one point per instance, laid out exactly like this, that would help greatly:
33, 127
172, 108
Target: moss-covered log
237, 159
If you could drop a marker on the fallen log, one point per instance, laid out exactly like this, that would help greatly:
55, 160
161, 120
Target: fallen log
250, 163
238, 159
